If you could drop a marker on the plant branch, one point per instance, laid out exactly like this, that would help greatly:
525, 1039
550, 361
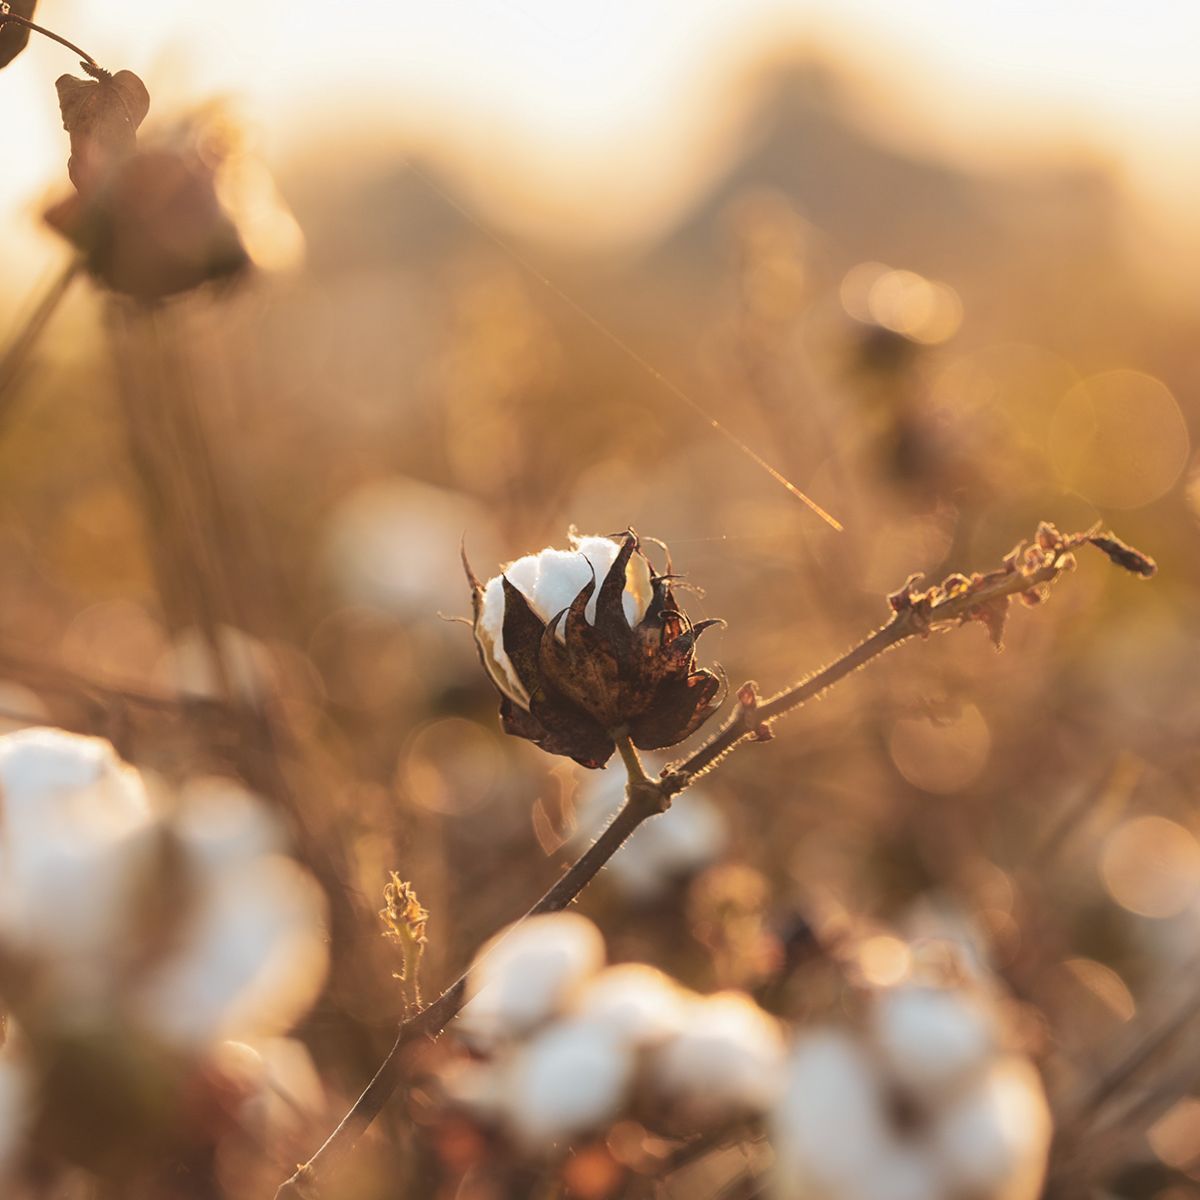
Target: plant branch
644, 798
87, 61
1026, 572
18, 349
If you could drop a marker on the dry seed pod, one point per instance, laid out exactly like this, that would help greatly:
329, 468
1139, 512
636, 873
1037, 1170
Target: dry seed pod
580, 661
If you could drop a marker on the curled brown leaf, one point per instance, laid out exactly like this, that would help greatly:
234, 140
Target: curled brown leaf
102, 116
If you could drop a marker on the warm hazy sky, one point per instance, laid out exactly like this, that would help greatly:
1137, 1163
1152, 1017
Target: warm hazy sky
603, 112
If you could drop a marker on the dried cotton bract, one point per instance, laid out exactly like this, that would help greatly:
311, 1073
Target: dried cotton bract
925, 1106
588, 644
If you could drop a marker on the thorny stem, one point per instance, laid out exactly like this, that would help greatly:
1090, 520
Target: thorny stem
88, 63
645, 797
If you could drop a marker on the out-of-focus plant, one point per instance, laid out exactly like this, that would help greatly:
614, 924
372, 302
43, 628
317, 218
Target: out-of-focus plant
614, 677
150, 959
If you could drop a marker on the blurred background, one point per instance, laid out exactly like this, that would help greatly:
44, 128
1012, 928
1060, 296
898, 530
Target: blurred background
935, 263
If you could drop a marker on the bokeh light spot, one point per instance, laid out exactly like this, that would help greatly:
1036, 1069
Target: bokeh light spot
1151, 866
1119, 439
941, 755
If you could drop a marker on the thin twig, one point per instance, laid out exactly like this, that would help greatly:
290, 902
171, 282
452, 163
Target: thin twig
87, 59
26, 338
752, 714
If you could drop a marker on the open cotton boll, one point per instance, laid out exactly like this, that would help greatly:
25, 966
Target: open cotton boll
726, 1062
691, 835
550, 580
279, 1085
829, 1127
77, 836
527, 974
392, 544
992, 1141
635, 1002
251, 957
571, 1078
933, 1039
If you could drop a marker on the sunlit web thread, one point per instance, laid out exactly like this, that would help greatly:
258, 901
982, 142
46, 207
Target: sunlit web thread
625, 348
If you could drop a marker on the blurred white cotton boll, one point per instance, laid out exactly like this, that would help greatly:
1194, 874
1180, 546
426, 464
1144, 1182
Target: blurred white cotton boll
526, 974
252, 953
933, 1039
77, 838
279, 1083
392, 544
829, 1128
550, 580
636, 1002
569, 1079
691, 835
994, 1139
724, 1063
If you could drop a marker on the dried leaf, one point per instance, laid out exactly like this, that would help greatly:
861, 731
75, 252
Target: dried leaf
1125, 555
14, 37
102, 116
155, 229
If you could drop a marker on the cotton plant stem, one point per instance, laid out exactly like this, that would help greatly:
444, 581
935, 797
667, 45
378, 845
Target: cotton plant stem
644, 800
17, 351
745, 721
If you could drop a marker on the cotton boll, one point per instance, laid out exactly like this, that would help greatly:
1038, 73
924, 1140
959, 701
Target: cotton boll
392, 544
280, 1086
77, 837
635, 1002
252, 955
689, 836
933, 1039
571, 1078
993, 1139
725, 1063
550, 580
829, 1128
526, 974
